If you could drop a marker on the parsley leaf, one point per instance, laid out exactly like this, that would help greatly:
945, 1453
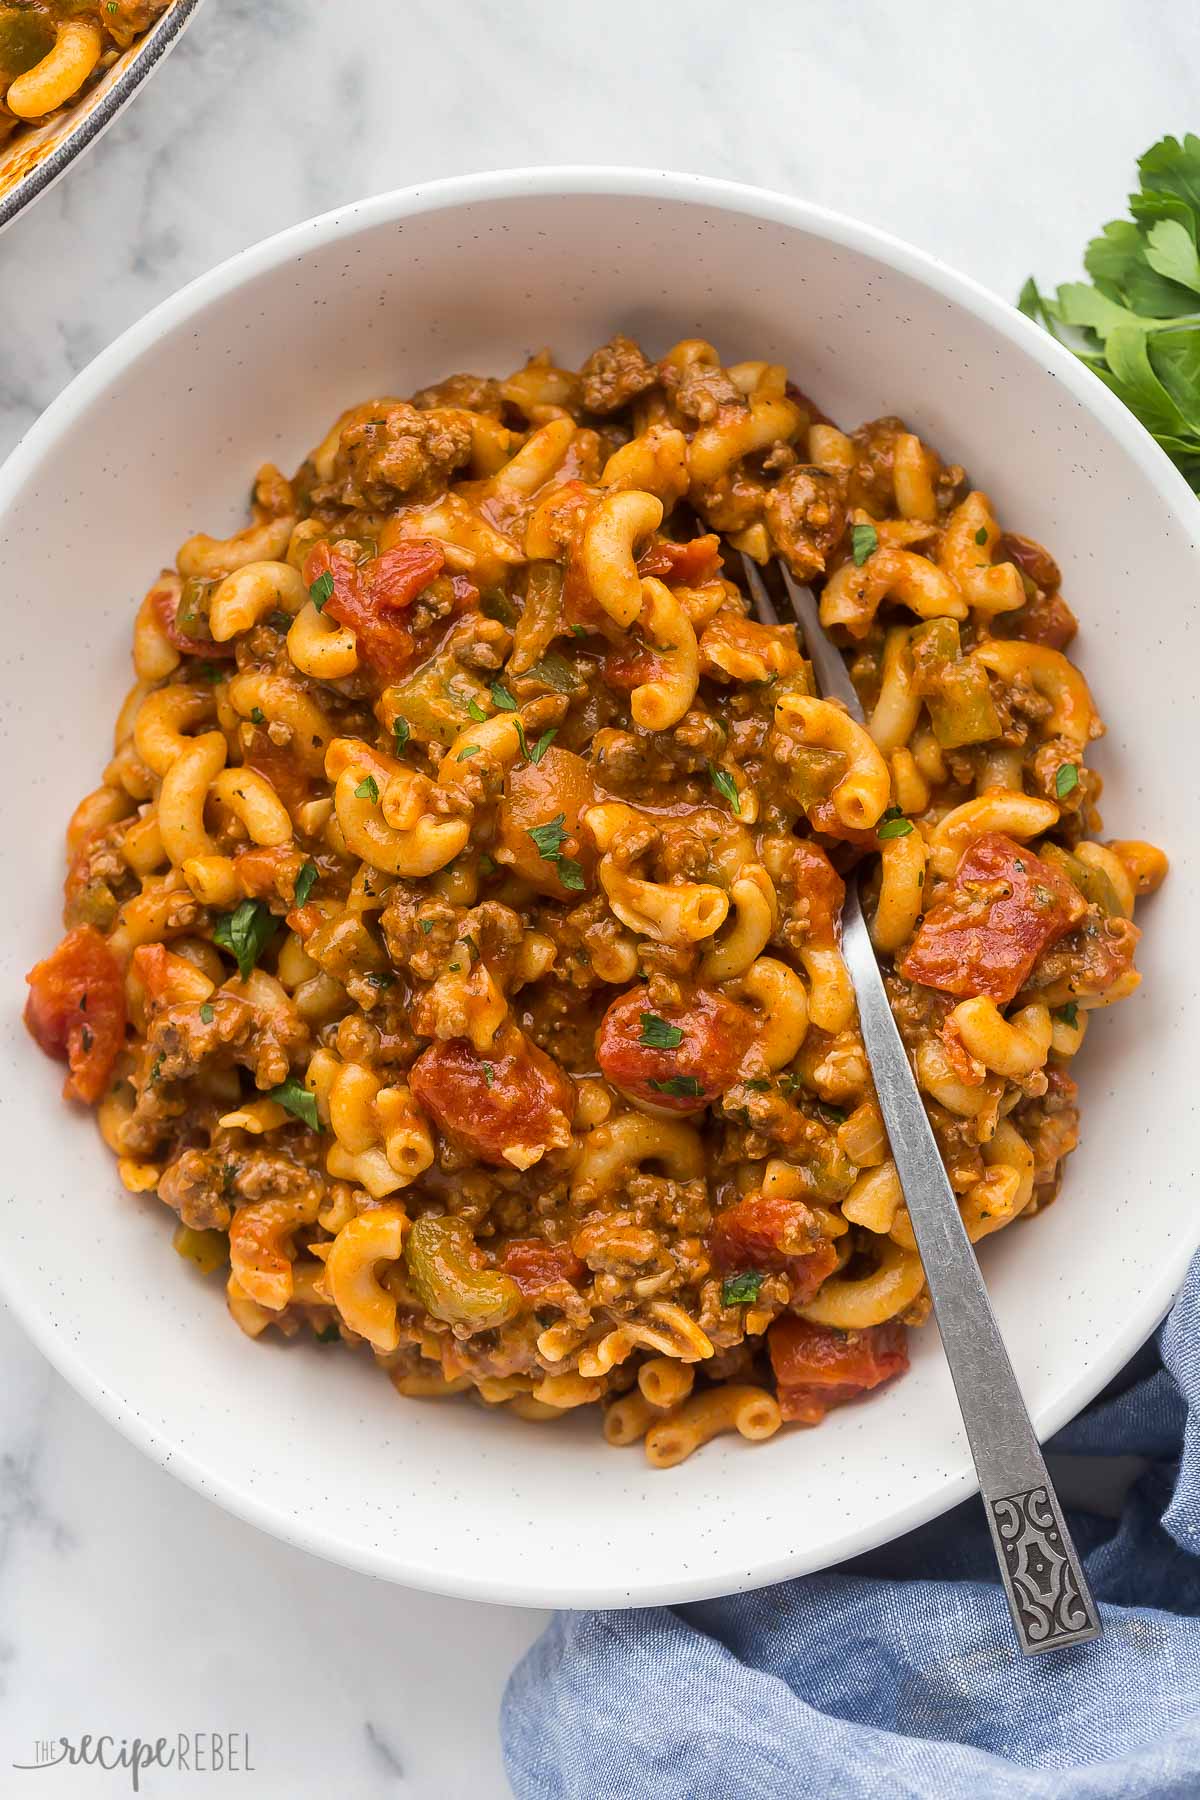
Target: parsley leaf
724, 783
543, 744
1066, 780
206, 1014
502, 700
1136, 325
893, 824
401, 732
295, 1098
321, 590
681, 1087
548, 838
658, 1035
367, 789
864, 541
489, 1073
467, 751
1069, 1014
245, 933
570, 873
257, 716
476, 711
981, 535
741, 1290
305, 882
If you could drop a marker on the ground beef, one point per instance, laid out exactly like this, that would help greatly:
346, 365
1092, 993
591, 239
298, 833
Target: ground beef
478, 393
806, 516
614, 375
403, 453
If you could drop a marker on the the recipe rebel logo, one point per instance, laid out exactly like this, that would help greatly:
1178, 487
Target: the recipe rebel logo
188, 1752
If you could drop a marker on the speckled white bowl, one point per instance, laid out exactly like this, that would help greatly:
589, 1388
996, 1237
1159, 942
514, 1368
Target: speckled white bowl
159, 438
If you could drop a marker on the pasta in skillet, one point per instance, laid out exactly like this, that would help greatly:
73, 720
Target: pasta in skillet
453, 938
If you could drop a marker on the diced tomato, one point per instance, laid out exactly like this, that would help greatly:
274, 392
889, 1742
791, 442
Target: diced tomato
1004, 907
818, 882
761, 1231
269, 869
630, 666
368, 597
515, 1099
281, 768
817, 1368
76, 1010
685, 565
166, 598
684, 1076
534, 1264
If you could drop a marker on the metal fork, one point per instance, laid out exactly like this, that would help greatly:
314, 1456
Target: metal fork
1048, 1594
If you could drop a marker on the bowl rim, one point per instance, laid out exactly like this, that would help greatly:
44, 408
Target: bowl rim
162, 37
550, 182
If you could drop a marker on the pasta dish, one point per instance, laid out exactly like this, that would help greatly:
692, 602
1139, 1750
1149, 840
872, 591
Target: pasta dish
50, 50
452, 941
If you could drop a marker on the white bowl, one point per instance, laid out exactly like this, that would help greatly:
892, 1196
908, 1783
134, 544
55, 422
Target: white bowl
160, 438
35, 157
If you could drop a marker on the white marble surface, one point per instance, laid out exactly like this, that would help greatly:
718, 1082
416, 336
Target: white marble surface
997, 136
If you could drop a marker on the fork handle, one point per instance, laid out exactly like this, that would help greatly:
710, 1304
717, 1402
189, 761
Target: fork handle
1048, 1593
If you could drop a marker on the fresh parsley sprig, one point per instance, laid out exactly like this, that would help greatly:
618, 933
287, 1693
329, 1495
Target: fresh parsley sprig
1136, 325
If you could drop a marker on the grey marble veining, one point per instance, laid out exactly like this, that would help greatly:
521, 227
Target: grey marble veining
999, 137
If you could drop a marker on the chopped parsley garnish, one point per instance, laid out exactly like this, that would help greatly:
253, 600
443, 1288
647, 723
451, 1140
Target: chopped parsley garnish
864, 541
401, 733
543, 744
725, 785
680, 1087
295, 1098
467, 751
206, 1014
548, 838
380, 978
658, 1035
279, 619
426, 926
476, 711
257, 715
245, 933
578, 631
321, 590
832, 1115
741, 1290
757, 1085
981, 536
1066, 780
305, 882
502, 700
893, 824
1069, 1014
156, 1068
489, 1073
367, 789
486, 865
208, 671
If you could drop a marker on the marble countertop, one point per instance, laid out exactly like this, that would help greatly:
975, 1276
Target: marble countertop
998, 138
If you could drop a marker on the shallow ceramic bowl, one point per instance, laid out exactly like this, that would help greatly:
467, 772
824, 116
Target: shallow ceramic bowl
32, 161
160, 438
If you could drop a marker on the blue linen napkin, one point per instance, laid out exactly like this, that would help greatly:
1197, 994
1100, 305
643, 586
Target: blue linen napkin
898, 1674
